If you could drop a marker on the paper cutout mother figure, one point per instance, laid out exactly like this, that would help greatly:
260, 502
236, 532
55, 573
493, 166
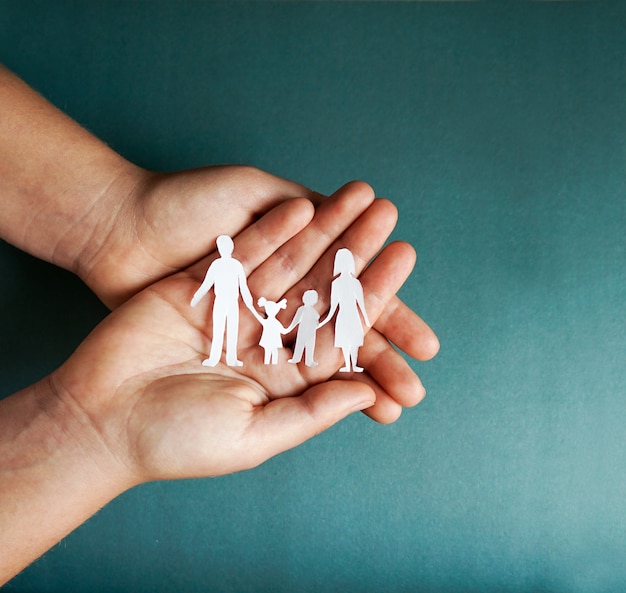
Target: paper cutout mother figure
346, 298
227, 278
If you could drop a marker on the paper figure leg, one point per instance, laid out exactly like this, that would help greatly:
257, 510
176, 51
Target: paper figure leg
350, 357
232, 334
346, 358
219, 323
354, 352
309, 353
297, 352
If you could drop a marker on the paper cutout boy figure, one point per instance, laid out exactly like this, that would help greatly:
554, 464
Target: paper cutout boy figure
227, 278
346, 298
271, 338
306, 318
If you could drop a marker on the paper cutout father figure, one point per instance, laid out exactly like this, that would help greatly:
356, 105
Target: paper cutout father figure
227, 278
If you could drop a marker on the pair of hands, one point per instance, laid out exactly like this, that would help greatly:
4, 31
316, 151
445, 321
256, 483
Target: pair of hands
136, 382
134, 403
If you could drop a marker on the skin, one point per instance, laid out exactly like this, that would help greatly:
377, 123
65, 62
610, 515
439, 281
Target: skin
134, 403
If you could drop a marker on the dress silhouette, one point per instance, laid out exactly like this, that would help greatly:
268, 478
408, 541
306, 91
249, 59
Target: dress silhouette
271, 337
346, 299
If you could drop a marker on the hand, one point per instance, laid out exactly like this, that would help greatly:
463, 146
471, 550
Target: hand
78, 204
162, 223
69, 199
138, 376
170, 221
134, 403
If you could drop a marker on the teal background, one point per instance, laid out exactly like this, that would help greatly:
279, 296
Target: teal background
499, 130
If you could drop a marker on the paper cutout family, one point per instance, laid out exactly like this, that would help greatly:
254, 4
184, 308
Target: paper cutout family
227, 278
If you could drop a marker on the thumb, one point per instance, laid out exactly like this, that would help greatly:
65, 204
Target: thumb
287, 422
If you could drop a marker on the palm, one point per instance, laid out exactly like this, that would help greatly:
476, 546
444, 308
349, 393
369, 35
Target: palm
177, 418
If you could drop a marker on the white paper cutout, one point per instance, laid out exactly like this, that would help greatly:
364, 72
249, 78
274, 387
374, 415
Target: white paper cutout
271, 337
346, 298
227, 278
306, 319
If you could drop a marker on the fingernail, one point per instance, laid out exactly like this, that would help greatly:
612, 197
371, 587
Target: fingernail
363, 405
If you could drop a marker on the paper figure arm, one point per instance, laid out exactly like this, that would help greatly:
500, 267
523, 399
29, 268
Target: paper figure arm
246, 295
334, 303
207, 284
297, 318
358, 290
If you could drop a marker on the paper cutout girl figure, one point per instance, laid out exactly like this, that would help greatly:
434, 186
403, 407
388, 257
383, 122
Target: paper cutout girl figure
271, 338
227, 278
346, 298
307, 319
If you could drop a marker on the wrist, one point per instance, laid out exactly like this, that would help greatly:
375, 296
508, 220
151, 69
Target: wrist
103, 248
112, 260
62, 189
91, 436
54, 473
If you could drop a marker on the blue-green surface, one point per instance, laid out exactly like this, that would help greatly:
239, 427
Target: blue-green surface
499, 130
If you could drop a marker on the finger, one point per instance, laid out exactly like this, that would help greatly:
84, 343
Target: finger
391, 371
285, 423
261, 239
385, 409
382, 279
402, 326
256, 243
260, 191
395, 383
296, 257
234, 195
364, 239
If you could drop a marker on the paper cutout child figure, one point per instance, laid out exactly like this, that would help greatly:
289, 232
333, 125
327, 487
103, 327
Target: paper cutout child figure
346, 298
227, 278
306, 318
271, 338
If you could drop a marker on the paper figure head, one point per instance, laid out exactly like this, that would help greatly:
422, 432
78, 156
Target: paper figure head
344, 262
272, 308
309, 298
225, 245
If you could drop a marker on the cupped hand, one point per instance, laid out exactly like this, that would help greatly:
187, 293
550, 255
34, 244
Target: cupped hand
138, 377
168, 221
